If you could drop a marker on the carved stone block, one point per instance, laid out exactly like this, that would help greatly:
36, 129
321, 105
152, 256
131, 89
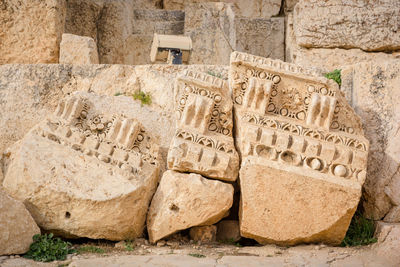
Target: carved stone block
82, 173
203, 141
303, 149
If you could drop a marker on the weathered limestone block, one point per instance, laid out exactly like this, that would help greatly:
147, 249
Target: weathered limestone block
211, 28
326, 59
263, 37
203, 141
76, 49
30, 31
16, 224
368, 25
204, 234
303, 153
228, 230
185, 200
388, 241
84, 173
375, 94
248, 8
82, 17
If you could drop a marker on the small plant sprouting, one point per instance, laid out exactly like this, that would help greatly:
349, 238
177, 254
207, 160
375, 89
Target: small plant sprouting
335, 75
128, 245
48, 248
143, 97
218, 75
118, 94
196, 255
360, 232
90, 249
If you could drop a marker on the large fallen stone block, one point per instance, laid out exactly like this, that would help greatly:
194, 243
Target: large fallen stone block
203, 141
374, 90
185, 200
16, 224
368, 25
86, 172
76, 49
31, 30
303, 153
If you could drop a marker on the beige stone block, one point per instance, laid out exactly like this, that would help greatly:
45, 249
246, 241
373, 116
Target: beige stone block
248, 8
185, 200
355, 24
204, 234
82, 17
16, 224
228, 231
80, 190
373, 88
31, 31
388, 241
211, 28
262, 37
327, 59
306, 163
203, 141
76, 49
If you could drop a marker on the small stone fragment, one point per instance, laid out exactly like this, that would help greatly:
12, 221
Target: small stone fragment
76, 49
228, 231
16, 224
204, 234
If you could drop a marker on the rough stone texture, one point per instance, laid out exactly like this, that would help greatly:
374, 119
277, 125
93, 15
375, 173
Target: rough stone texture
85, 173
249, 8
186, 200
211, 28
203, 141
203, 234
324, 58
228, 230
76, 49
304, 154
388, 241
30, 31
16, 224
368, 25
374, 90
261, 37
82, 17
289, 5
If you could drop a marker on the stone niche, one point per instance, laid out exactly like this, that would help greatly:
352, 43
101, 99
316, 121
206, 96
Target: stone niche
85, 173
203, 141
303, 151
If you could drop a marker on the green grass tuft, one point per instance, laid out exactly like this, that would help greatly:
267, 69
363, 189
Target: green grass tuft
335, 75
218, 75
90, 249
48, 248
128, 245
360, 232
196, 255
143, 97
